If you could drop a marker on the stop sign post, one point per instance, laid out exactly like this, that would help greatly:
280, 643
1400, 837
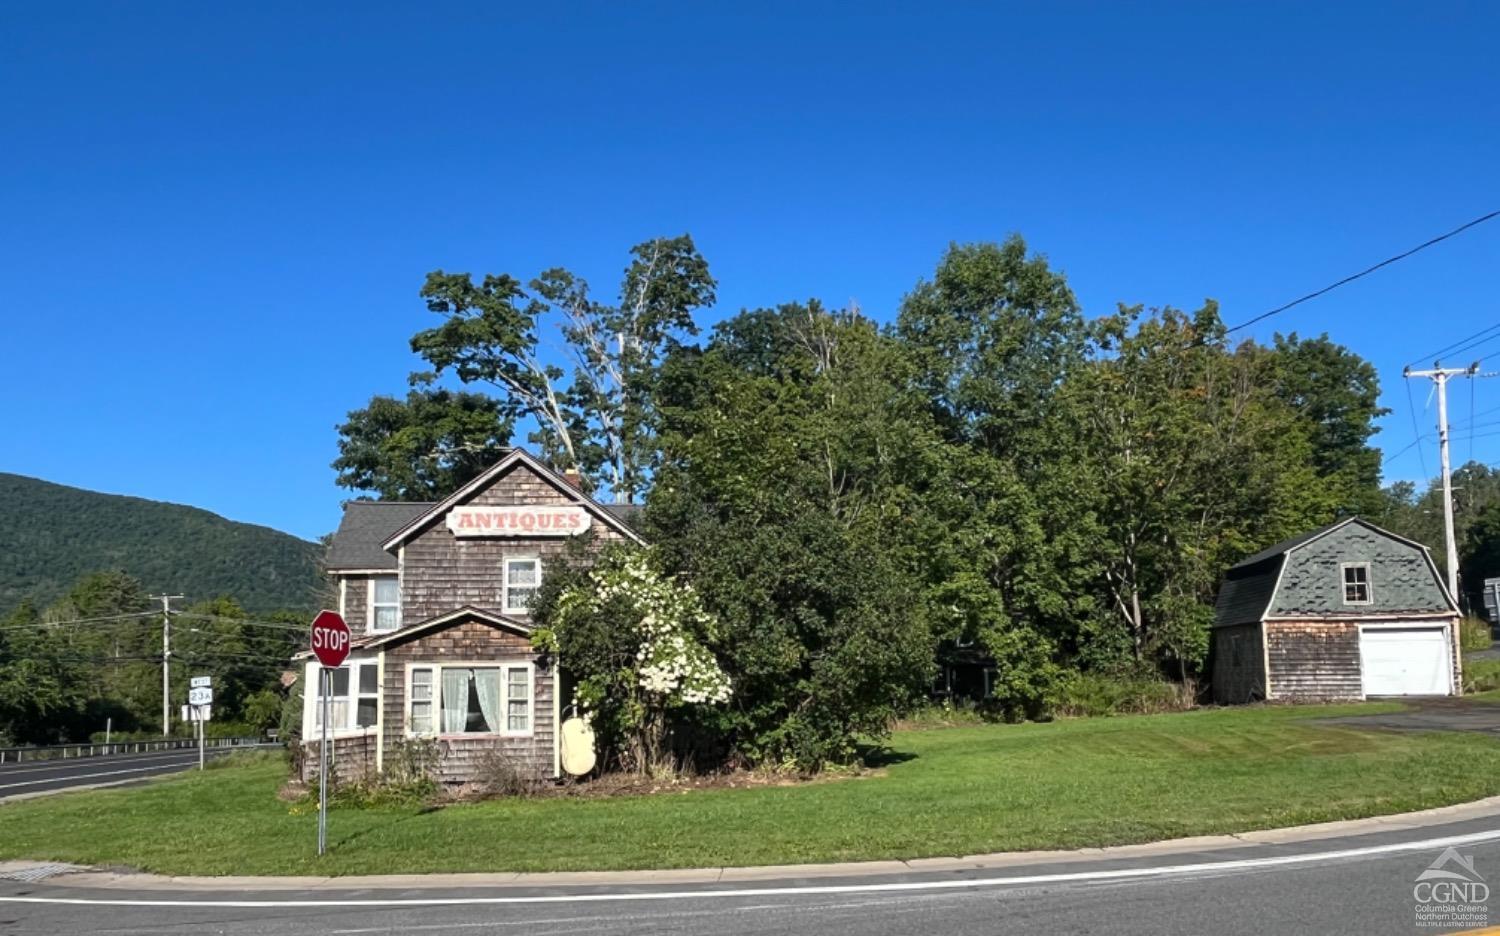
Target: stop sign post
330, 644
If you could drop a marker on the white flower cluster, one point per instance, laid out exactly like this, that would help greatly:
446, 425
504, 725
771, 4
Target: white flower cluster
671, 663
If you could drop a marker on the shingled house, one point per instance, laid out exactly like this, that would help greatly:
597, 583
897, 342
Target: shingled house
437, 597
1348, 611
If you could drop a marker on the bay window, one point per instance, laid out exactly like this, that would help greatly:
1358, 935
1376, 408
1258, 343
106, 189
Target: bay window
464, 698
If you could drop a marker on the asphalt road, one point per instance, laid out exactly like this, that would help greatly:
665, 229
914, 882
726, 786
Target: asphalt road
1358, 884
55, 775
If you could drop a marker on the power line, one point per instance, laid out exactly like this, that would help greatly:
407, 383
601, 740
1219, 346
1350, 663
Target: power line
1471, 420
111, 619
245, 622
1454, 347
1365, 272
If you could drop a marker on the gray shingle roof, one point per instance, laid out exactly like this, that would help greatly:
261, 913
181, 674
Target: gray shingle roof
367, 524
1246, 592
1402, 577
1287, 545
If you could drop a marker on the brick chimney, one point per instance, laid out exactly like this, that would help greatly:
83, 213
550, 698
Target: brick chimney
572, 476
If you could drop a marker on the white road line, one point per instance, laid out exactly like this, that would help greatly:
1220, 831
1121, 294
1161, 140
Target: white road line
107, 773
1117, 874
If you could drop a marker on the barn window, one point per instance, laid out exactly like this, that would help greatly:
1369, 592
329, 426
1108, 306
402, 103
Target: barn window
1356, 583
522, 576
1236, 651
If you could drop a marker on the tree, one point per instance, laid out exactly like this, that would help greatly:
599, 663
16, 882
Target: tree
1337, 394
992, 339
1194, 462
423, 448
991, 335
41, 687
602, 423
778, 499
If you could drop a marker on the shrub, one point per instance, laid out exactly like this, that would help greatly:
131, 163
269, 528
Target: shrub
1095, 694
1481, 675
1474, 634
946, 714
638, 643
499, 775
410, 768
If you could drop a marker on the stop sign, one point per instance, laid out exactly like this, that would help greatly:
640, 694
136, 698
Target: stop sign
330, 638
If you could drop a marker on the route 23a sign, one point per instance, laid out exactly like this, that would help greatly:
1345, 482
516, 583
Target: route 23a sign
519, 520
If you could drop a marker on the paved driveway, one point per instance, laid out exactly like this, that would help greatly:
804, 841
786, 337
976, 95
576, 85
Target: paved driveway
1430, 715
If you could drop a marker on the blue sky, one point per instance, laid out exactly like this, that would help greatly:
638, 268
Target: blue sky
214, 219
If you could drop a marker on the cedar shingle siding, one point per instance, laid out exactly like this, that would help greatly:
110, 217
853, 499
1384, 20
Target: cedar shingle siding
356, 603
1314, 661
1288, 603
442, 572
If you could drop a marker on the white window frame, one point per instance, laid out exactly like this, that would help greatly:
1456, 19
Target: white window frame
313, 701
505, 582
505, 667
1344, 583
371, 605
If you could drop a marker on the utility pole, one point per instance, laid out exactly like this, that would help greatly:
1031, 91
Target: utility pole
1440, 375
166, 658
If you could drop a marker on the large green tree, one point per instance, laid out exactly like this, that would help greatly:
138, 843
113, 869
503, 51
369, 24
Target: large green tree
991, 340
1337, 393
1193, 460
779, 498
421, 448
600, 417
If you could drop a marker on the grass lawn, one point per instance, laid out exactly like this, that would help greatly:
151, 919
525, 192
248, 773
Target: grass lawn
945, 792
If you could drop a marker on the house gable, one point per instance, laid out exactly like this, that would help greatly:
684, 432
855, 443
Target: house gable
534, 484
441, 571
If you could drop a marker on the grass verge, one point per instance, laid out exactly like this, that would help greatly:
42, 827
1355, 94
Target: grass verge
959, 791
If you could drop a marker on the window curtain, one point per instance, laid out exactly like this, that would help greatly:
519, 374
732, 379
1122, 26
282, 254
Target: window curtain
455, 700
487, 687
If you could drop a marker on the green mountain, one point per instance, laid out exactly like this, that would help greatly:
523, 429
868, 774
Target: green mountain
51, 535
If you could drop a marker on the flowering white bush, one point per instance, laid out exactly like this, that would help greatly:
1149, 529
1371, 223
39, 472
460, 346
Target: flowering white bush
636, 640
671, 664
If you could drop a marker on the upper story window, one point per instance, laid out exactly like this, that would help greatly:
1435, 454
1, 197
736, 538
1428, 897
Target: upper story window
1356, 582
385, 603
522, 578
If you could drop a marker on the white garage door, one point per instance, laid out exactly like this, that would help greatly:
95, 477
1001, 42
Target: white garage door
1405, 661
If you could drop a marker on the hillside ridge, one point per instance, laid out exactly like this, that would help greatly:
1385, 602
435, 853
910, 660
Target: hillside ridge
178, 547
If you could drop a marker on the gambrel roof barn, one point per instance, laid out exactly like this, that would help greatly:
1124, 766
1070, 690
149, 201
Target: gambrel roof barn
1346, 611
